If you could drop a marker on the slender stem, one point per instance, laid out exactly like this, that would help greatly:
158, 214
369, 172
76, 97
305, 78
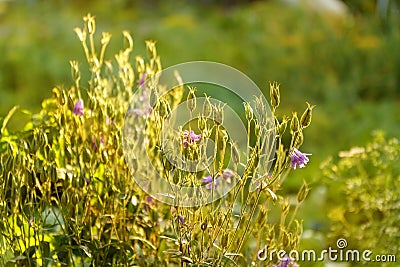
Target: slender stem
248, 223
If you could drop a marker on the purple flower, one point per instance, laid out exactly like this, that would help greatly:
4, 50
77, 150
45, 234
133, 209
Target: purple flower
189, 137
285, 262
298, 158
181, 219
142, 79
78, 108
209, 182
194, 137
227, 174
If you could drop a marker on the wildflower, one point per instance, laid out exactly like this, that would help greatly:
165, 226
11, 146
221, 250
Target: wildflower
209, 182
298, 158
142, 79
285, 262
195, 137
227, 175
78, 108
181, 219
190, 137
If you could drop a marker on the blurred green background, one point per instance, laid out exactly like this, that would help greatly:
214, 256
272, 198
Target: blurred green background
347, 62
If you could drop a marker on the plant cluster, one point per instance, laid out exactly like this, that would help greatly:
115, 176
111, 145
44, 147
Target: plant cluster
68, 198
365, 181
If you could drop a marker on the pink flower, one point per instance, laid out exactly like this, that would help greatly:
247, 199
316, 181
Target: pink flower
142, 79
189, 137
78, 108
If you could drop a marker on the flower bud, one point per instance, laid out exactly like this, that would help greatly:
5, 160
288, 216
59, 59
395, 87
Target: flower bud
105, 38
128, 39
90, 23
81, 34
151, 49
274, 94
140, 66
75, 73
305, 119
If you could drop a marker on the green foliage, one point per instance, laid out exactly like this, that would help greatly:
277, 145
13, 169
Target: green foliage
67, 197
347, 66
363, 195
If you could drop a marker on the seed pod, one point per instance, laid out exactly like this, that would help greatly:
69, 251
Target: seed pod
282, 126
235, 154
298, 138
202, 123
222, 139
295, 124
165, 109
218, 114
248, 111
274, 94
207, 108
285, 207
191, 99
305, 119
303, 192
